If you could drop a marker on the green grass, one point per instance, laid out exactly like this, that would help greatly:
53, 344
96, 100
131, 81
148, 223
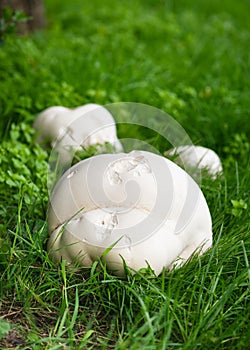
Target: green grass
190, 59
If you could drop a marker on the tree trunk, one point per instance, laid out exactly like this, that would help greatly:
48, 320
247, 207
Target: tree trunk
32, 8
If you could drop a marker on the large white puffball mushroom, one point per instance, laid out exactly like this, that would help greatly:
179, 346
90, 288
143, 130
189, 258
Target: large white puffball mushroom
68, 130
143, 205
197, 157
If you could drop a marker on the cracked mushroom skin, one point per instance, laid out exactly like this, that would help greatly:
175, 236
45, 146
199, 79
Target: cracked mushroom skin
68, 130
142, 205
197, 157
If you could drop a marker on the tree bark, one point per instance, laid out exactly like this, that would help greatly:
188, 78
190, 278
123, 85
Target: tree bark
32, 8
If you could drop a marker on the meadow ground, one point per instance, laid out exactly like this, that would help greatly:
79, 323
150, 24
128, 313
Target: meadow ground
191, 60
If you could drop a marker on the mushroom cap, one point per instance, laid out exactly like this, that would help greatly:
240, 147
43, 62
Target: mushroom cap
69, 130
143, 205
197, 157
45, 121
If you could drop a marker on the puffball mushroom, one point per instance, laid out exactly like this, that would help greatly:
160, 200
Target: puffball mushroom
141, 205
68, 130
197, 157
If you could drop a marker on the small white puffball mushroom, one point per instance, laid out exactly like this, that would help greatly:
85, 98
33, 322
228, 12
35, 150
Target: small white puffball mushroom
68, 130
197, 157
143, 205
44, 123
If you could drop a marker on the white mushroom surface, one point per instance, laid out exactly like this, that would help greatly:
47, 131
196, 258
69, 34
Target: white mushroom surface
197, 157
144, 206
68, 130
